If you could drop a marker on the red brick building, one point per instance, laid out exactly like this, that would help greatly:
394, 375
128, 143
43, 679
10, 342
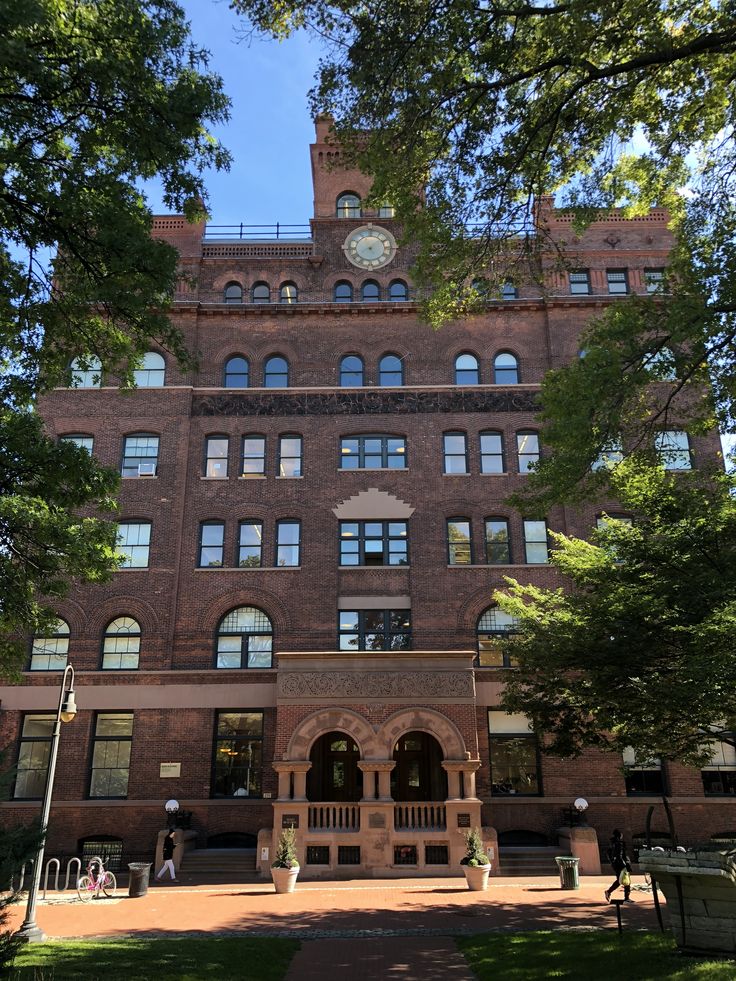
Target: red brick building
314, 522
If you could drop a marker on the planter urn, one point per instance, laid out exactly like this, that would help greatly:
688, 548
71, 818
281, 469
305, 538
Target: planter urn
285, 879
477, 876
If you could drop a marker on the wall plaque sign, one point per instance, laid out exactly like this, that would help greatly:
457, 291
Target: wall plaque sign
377, 820
463, 820
289, 820
168, 770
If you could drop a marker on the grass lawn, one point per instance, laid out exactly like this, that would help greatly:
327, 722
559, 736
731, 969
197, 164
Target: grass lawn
161, 959
585, 956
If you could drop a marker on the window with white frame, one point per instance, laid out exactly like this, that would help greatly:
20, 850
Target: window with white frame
49, 650
121, 645
536, 547
673, 447
134, 543
152, 372
86, 372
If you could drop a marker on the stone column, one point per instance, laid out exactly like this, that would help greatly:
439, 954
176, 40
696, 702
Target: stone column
452, 768
283, 769
469, 768
300, 770
383, 769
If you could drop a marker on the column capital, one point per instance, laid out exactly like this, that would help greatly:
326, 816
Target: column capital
376, 766
460, 766
292, 766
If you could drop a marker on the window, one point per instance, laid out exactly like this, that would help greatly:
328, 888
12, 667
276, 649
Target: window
610, 455
398, 291
134, 542
261, 293
233, 293
536, 548
290, 456
254, 456
372, 453
238, 754
374, 630
288, 543
505, 369
661, 365
527, 450
390, 370
33, 756
121, 645
140, 455
236, 372
276, 373
493, 626
250, 544
491, 453
654, 279
348, 205
351, 371
111, 755
83, 442
374, 543
618, 281
466, 370
211, 544
498, 543
49, 651
244, 639
455, 447
509, 291
370, 291
514, 755
86, 372
642, 776
343, 292
288, 293
215, 456
152, 372
673, 448
579, 282
459, 550
719, 776
386, 211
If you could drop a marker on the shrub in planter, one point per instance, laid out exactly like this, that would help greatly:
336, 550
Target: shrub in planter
285, 866
475, 862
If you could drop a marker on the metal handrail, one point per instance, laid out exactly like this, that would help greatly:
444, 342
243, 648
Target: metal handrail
242, 232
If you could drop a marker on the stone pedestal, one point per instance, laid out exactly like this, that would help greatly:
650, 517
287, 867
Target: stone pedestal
582, 843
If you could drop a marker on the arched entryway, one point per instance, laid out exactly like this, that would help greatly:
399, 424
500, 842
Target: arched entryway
334, 775
418, 774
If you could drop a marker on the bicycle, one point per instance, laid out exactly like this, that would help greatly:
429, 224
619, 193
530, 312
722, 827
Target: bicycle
98, 881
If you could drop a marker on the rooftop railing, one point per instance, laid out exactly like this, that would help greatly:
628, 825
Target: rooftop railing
257, 233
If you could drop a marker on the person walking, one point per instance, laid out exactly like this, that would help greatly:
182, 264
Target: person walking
168, 855
620, 862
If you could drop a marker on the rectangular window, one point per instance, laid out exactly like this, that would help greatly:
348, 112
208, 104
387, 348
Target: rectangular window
288, 541
374, 543
211, 544
372, 453
536, 549
527, 448
254, 456
250, 544
654, 278
215, 456
514, 755
290, 456
49, 651
134, 542
348, 854
455, 447
610, 455
618, 281
719, 777
498, 543
406, 855
33, 756
238, 753
642, 776
140, 455
459, 551
318, 854
436, 855
374, 630
83, 442
495, 626
580, 282
111, 755
491, 453
673, 447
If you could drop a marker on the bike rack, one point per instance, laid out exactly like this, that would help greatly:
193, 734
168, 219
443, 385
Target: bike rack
57, 864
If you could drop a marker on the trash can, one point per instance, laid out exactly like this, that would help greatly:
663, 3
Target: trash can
568, 866
139, 875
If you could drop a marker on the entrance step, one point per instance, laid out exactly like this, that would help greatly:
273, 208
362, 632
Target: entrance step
219, 865
527, 860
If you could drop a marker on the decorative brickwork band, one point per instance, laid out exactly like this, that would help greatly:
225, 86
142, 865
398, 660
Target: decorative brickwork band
375, 684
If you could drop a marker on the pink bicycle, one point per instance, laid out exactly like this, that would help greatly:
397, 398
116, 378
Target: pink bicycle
98, 881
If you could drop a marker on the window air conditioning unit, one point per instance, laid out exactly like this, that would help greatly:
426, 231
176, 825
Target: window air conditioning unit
146, 469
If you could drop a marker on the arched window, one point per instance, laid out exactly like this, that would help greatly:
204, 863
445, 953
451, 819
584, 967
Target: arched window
343, 292
244, 639
418, 774
233, 293
152, 373
49, 650
370, 291
261, 293
348, 205
288, 293
236, 372
276, 372
505, 369
86, 372
493, 626
391, 370
466, 370
398, 290
334, 774
122, 644
509, 291
351, 371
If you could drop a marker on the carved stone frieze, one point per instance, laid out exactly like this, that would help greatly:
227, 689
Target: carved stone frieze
388, 685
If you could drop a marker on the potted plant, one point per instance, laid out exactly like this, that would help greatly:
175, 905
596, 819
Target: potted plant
476, 864
285, 866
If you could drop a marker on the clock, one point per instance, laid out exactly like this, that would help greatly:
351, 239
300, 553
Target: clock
370, 247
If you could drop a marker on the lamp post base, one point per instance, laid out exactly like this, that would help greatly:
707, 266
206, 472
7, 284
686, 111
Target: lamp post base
31, 933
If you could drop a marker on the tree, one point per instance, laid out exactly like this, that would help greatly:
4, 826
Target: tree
95, 97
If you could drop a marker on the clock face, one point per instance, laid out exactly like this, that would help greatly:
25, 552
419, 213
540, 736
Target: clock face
370, 247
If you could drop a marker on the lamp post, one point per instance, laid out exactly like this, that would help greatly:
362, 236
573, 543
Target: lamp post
65, 713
